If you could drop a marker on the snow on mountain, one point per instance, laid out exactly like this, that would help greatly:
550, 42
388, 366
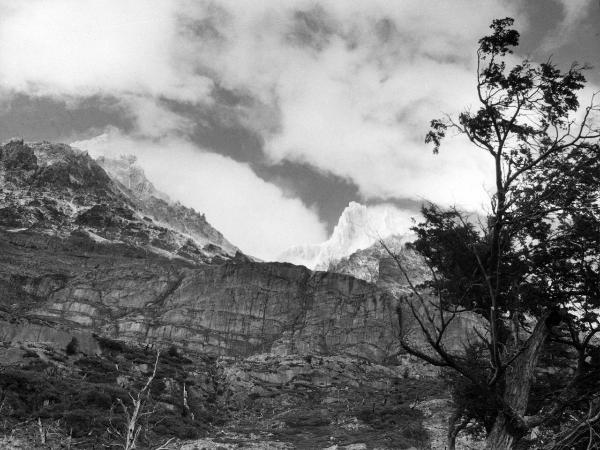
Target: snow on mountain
358, 228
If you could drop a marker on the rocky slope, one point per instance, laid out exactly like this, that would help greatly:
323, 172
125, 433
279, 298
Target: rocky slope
159, 206
376, 263
57, 190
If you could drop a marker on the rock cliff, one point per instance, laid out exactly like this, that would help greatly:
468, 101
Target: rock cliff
236, 308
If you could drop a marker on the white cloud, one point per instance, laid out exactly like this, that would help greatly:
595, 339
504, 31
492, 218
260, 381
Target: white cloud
355, 105
348, 87
254, 215
356, 84
152, 119
86, 47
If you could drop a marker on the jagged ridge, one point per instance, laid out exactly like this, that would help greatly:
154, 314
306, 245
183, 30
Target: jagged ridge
58, 190
358, 228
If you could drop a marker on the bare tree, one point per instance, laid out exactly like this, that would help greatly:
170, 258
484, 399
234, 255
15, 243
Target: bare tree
135, 412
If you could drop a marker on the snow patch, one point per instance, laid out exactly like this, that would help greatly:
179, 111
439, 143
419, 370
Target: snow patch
16, 230
99, 239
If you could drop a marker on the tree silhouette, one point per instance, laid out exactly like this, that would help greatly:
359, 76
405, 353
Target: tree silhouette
531, 269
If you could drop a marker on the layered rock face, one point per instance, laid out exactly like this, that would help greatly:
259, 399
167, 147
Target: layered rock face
239, 308
387, 264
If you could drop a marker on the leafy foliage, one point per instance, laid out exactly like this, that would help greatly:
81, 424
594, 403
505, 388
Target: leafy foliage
531, 267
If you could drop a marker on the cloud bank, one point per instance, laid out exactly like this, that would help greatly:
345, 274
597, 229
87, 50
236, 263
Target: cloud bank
251, 213
87, 47
345, 87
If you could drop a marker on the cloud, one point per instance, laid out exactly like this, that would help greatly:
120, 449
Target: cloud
355, 85
254, 215
352, 83
574, 13
345, 87
88, 47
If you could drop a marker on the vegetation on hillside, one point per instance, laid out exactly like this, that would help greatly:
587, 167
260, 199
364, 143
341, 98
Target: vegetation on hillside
79, 398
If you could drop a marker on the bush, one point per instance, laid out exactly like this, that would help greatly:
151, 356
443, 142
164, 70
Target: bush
110, 344
72, 347
181, 427
173, 352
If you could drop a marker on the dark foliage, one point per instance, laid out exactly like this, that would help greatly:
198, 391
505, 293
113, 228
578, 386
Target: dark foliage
531, 268
85, 400
72, 347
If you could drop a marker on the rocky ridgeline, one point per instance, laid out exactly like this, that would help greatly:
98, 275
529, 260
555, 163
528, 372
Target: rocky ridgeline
55, 189
376, 264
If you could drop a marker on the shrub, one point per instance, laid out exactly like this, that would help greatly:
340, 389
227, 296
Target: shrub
72, 347
173, 351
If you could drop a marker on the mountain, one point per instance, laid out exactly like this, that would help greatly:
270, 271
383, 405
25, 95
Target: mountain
358, 228
58, 190
99, 271
376, 263
160, 207
103, 251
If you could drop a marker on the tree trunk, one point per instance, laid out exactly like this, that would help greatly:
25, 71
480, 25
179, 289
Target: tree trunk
455, 426
509, 427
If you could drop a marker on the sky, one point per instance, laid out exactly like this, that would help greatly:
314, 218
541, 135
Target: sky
270, 116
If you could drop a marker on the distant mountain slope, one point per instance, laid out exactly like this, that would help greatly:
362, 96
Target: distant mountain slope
358, 228
55, 189
376, 265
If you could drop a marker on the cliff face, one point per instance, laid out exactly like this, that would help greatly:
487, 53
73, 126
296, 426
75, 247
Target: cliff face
239, 308
380, 265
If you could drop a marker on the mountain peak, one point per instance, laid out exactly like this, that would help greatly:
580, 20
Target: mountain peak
127, 171
358, 227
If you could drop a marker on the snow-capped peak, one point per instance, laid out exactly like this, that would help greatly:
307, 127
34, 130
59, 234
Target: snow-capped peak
359, 227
